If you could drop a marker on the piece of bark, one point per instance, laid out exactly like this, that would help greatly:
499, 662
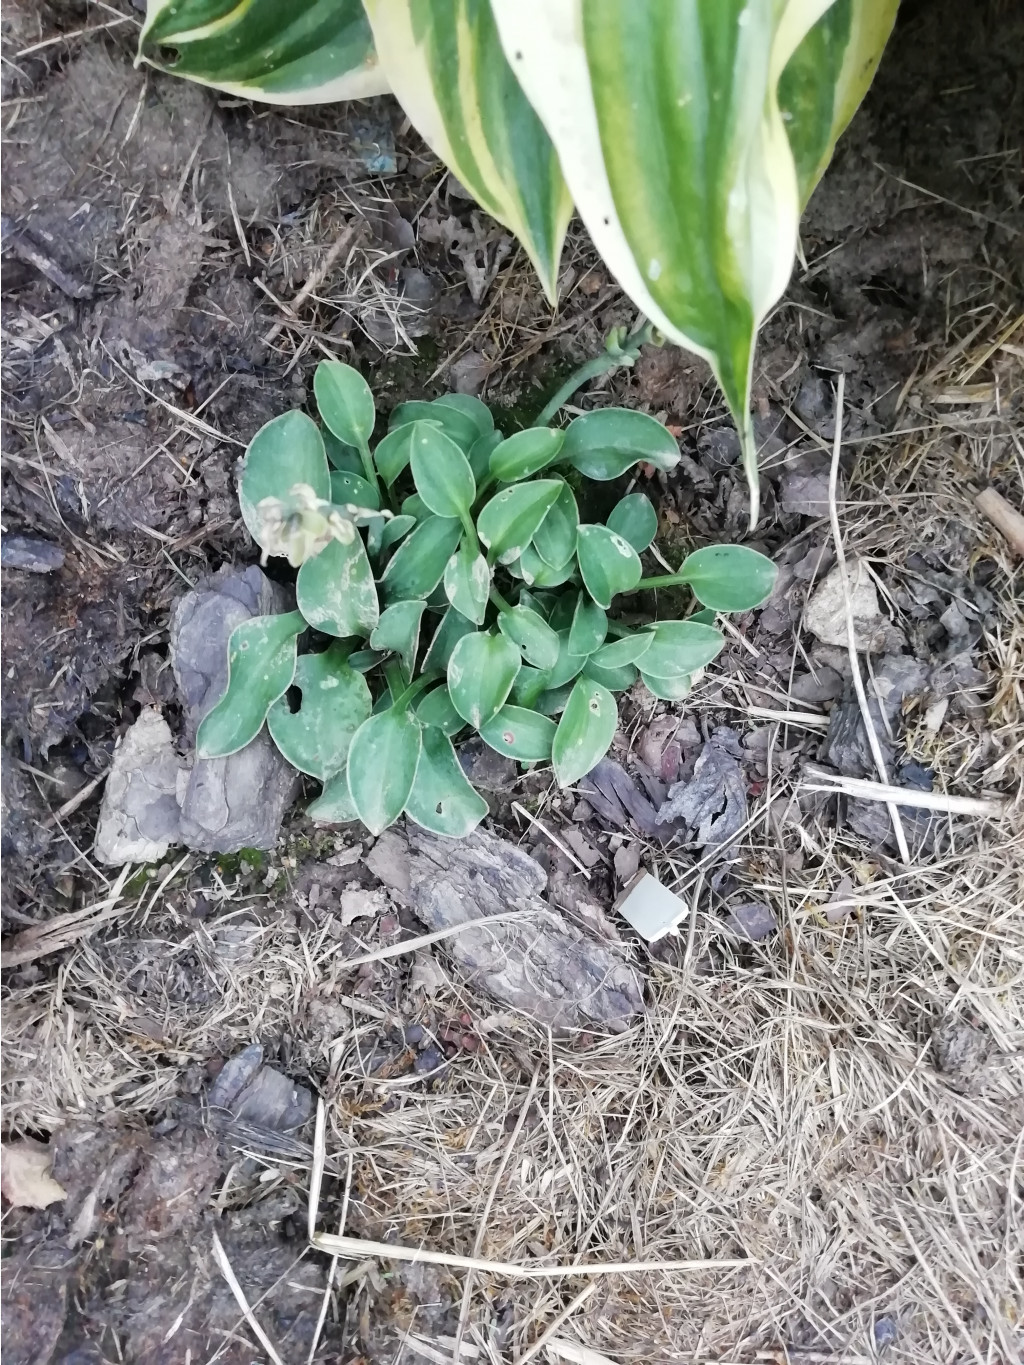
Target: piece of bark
536, 961
1003, 516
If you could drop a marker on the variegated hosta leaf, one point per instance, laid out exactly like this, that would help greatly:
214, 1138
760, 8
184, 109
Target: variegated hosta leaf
300, 52
666, 119
827, 77
445, 63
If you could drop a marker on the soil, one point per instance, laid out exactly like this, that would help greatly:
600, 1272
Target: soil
154, 236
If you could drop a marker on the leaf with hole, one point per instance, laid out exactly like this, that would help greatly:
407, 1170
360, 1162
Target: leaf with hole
481, 672
531, 634
286, 451
509, 521
457, 426
448, 634
443, 799
441, 472
625, 650
520, 733
729, 577
398, 632
349, 489
588, 628
334, 804
344, 401
680, 647
382, 763
604, 444
418, 564
634, 519
585, 732
335, 702
467, 581
525, 453
335, 590
555, 538
261, 665
609, 565
668, 689
436, 708
319, 50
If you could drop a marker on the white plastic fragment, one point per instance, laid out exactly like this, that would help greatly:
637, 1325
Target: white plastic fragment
650, 908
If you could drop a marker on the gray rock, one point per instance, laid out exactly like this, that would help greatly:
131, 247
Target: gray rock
258, 1095
31, 554
236, 802
536, 962
712, 803
140, 818
752, 921
825, 612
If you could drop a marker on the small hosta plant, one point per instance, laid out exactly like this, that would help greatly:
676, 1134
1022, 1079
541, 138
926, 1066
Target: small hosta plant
448, 584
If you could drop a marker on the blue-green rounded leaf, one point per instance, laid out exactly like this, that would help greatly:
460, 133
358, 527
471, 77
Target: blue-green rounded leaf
436, 709
467, 581
458, 426
555, 538
344, 401
336, 592
729, 577
334, 804
398, 632
382, 762
680, 647
348, 489
520, 733
538, 573
414, 506
509, 521
568, 663
470, 406
525, 453
531, 634
394, 530
393, 453
626, 650
479, 454
609, 565
528, 686
443, 799
481, 672
335, 701
585, 732
448, 634
340, 455
634, 519
287, 450
553, 701
668, 689
441, 472
261, 665
588, 627
615, 679
604, 444
418, 564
